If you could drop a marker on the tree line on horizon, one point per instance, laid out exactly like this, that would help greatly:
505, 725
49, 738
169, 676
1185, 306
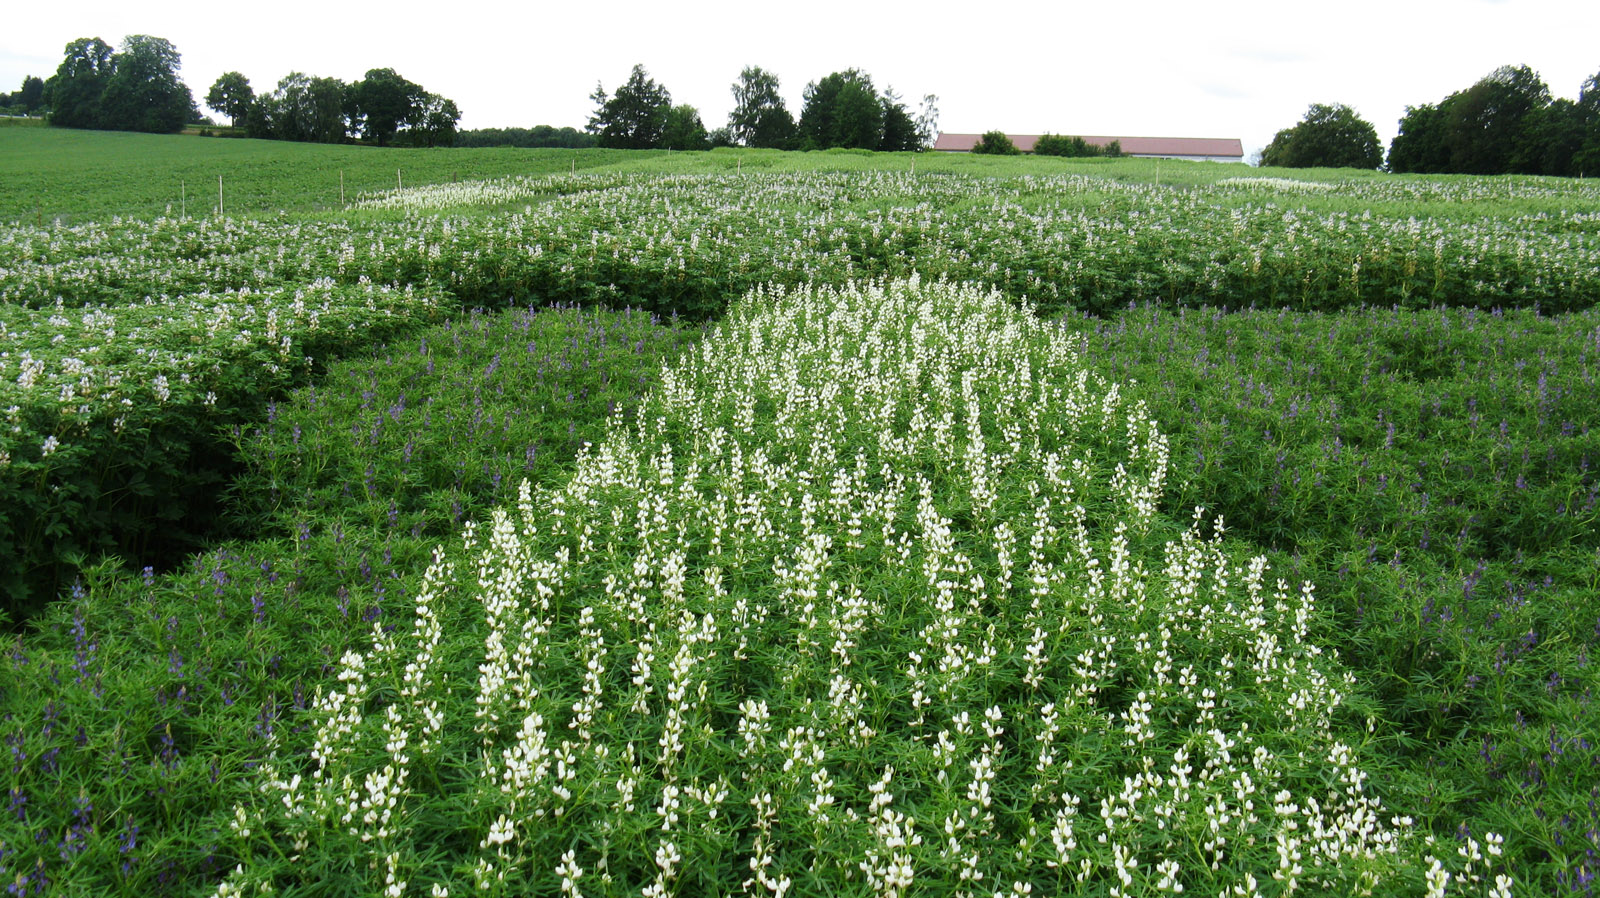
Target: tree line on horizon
843, 109
382, 107
137, 88
1505, 123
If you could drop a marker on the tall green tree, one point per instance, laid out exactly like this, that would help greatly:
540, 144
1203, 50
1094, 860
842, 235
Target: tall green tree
842, 110
1552, 140
684, 130
73, 93
383, 101
635, 118
1586, 161
231, 95
302, 108
435, 122
1330, 136
1420, 146
30, 98
900, 132
144, 92
288, 112
328, 102
759, 117
1486, 123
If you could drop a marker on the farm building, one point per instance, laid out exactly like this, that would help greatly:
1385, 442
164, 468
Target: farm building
1198, 149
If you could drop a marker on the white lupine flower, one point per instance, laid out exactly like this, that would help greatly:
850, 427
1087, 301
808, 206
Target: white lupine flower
732, 531
500, 832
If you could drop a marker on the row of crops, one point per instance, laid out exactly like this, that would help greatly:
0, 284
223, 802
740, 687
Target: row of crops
894, 587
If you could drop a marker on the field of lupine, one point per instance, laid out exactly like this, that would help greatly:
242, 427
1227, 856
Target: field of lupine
1120, 530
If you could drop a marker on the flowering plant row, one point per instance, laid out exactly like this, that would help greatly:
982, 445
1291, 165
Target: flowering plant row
687, 243
113, 412
873, 598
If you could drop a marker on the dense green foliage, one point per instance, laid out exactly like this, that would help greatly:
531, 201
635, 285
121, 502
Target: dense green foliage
1074, 147
179, 679
1504, 123
760, 118
684, 130
842, 110
25, 100
134, 89
1328, 137
143, 92
302, 108
115, 413
997, 143
885, 574
539, 136
74, 92
635, 118
1437, 474
421, 432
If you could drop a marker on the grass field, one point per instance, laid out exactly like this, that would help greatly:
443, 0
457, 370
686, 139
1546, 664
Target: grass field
1002, 527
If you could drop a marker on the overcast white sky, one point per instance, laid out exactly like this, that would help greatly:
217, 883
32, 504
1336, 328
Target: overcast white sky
1148, 68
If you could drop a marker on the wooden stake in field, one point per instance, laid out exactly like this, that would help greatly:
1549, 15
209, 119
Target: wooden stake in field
398, 184
341, 187
219, 196
183, 200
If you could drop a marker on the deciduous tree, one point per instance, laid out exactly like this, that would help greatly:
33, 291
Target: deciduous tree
842, 110
759, 117
1330, 136
1485, 123
30, 98
143, 92
684, 130
435, 122
1420, 145
231, 95
384, 101
74, 91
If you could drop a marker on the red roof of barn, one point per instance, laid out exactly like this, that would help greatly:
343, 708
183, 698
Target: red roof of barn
1133, 146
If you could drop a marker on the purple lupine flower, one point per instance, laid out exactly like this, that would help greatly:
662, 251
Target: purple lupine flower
126, 843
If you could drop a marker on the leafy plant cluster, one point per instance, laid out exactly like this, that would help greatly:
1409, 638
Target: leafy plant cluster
1075, 147
683, 242
874, 597
139, 708
111, 437
1434, 472
422, 432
